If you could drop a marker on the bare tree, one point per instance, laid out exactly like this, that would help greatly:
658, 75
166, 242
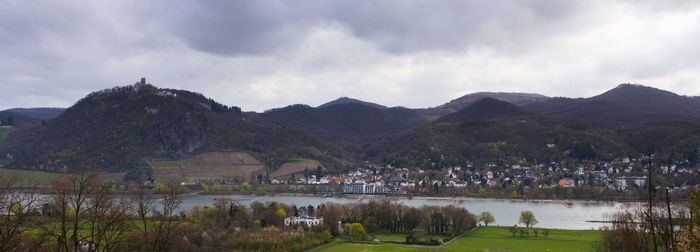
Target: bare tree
18, 214
87, 214
331, 213
172, 194
142, 199
67, 204
107, 218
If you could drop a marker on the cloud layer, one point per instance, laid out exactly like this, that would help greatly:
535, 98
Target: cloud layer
265, 54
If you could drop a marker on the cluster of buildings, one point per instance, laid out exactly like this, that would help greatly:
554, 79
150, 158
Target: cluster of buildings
619, 174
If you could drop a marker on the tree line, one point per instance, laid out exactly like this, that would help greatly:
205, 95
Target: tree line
85, 212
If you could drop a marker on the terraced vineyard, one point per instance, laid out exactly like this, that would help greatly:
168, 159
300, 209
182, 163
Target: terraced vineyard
297, 166
214, 165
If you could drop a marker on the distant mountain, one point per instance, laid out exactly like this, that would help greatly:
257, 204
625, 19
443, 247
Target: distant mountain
117, 129
351, 125
122, 128
484, 108
38, 113
490, 130
347, 100
17, 120
626, 102
517, 99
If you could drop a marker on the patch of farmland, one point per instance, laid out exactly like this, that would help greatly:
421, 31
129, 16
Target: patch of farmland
211, 164
4, 133
31, 177
297, 166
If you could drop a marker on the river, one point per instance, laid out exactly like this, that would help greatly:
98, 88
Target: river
550, 214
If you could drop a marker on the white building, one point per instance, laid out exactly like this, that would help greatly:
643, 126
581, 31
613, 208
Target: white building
362, 188
308, 220
623, 182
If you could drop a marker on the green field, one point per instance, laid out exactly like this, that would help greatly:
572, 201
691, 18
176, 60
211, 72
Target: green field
26, 177
483, 239
501, 238
3, 134
400, 238
344, 246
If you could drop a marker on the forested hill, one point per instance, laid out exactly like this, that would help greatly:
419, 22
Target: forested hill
117, 129
348, 100
518, 99
626, 102
495, 131
616, 123
38, 113
351, 125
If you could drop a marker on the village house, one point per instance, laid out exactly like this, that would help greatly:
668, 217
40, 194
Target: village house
308, 220
566, 183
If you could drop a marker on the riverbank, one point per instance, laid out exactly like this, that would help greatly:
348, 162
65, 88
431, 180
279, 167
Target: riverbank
409, 197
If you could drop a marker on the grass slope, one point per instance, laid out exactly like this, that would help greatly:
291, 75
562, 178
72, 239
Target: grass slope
501, 238
31, 178
26, 177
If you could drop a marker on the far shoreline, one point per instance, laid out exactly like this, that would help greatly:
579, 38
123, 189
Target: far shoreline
398, 197
42, 190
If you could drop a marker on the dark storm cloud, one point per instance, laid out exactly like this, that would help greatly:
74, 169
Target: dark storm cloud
263, 54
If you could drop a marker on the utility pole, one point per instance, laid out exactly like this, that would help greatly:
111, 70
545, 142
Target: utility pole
651, 213
670, 219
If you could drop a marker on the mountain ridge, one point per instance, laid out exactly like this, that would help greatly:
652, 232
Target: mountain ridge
626, 102
117, 129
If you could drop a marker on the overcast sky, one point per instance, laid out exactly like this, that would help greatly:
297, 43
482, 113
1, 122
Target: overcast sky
264, 54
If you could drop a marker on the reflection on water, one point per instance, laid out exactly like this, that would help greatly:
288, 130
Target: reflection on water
550, 214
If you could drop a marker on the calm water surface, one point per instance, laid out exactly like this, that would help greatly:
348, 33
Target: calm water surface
552, 214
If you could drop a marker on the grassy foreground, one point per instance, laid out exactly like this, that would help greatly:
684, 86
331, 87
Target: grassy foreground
486, 238
501, 238
345, 246
401, 238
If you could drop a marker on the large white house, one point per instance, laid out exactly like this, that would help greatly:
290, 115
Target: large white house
310, 221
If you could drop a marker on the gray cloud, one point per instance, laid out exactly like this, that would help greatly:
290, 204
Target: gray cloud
264, 54
263, 27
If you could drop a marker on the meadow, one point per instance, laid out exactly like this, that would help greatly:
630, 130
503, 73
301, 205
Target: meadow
4, 133
484, 239
346, 246
28, 177
501, 238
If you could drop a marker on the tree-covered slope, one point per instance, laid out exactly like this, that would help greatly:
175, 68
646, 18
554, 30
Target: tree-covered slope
490, 131
116, 129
